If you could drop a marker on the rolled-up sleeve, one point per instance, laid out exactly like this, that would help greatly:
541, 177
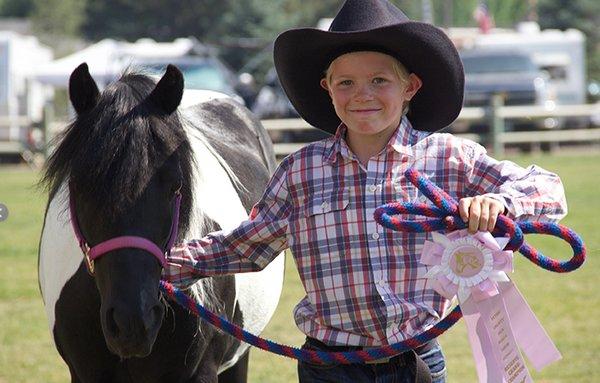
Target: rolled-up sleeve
531, 193
250, 247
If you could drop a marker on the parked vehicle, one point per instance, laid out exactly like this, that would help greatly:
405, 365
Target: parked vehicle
207, 73
272, 102
511, 74
21, 100
560, 55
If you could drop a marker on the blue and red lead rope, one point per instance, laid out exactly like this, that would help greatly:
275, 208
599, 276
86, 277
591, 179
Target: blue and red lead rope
321, 357
446, 211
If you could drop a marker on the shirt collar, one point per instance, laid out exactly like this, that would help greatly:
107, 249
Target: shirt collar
404, 137
334, 144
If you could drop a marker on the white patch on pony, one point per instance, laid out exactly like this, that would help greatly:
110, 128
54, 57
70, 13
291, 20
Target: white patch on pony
215, 196
60, 256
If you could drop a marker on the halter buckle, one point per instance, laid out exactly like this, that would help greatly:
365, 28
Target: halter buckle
88, 261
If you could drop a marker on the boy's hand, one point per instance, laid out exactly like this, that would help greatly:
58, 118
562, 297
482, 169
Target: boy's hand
481, 212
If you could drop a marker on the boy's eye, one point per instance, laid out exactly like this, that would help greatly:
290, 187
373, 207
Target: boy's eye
345, 82
379, 80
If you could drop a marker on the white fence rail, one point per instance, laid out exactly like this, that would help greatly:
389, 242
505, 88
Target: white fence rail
496, 139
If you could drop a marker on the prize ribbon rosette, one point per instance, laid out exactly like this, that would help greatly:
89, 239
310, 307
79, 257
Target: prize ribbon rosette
474, 269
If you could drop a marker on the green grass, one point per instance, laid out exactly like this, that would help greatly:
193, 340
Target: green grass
568, 305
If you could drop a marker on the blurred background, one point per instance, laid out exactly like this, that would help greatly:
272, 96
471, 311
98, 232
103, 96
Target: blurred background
532, 95
540, 56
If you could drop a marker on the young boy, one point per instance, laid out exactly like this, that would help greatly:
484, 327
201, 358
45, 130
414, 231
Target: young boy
380, 83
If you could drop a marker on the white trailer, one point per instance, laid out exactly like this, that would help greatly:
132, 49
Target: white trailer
21, 100
560, 53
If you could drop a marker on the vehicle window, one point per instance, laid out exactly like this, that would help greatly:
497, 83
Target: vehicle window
204, 76
498, 64
200, 76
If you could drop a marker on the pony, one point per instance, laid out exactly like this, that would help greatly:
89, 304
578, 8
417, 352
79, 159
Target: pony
115, 171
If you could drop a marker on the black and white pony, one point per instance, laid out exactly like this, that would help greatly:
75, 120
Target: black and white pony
121, 160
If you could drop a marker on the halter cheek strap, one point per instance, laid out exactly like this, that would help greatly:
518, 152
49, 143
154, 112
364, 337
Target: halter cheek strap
123, 242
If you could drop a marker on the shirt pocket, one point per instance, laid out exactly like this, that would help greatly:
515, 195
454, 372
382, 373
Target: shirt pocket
323, 204
328, 218
326, 233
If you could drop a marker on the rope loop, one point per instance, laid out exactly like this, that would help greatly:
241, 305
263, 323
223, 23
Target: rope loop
446, 209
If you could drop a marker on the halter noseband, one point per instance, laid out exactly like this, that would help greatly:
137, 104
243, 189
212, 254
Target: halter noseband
123, 242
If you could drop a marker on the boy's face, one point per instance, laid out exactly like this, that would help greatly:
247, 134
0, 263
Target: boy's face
367, 94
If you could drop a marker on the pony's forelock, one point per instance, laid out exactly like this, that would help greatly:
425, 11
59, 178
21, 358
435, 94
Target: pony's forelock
110, 153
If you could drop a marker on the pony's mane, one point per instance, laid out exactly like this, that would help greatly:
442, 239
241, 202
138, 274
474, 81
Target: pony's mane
111, 152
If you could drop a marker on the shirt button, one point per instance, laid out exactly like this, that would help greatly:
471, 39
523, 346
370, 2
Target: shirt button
324, 205
375, 235
382, 283
372, 188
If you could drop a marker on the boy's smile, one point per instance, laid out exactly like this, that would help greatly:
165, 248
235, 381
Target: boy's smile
369, 96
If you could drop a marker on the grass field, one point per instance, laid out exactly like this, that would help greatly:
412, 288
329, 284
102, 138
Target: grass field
568, 305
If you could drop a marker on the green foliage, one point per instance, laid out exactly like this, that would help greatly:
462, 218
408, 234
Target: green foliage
53, 18
244, 30
583, 15
15, 8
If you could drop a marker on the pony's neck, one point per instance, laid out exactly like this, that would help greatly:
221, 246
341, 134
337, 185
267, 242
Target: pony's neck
211, 180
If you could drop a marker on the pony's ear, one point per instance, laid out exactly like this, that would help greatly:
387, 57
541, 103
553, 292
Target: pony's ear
169, 90
83, 90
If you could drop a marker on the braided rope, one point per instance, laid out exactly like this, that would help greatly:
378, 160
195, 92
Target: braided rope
312, 356
446, 208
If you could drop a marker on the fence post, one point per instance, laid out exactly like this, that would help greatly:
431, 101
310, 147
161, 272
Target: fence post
497, 125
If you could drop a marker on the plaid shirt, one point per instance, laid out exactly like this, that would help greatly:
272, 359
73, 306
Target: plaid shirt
364, 284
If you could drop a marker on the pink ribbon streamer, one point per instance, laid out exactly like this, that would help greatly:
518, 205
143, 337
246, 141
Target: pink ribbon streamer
496, 326
498, 318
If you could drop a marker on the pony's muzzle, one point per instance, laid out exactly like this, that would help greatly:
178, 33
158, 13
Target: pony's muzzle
132, 334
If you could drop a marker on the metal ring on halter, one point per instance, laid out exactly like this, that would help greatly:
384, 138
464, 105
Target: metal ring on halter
88, 261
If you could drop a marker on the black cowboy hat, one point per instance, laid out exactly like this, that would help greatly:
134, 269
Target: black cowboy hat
302, 56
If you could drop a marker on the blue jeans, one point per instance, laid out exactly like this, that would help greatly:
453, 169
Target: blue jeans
392, 372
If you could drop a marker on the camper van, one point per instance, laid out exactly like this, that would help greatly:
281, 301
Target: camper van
559, 55
21, 100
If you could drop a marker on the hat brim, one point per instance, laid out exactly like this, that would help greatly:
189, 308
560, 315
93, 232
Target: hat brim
302, 55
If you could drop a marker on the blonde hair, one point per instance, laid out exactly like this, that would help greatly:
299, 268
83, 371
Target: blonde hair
399, 70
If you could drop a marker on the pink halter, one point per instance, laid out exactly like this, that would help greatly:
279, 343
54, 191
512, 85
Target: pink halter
93, 253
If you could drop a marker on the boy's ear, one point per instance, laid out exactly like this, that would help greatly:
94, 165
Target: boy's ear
325, 85
414, 84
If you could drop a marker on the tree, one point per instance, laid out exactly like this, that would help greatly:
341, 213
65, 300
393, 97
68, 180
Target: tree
15, 8
506, 13
583, 15
53, 18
